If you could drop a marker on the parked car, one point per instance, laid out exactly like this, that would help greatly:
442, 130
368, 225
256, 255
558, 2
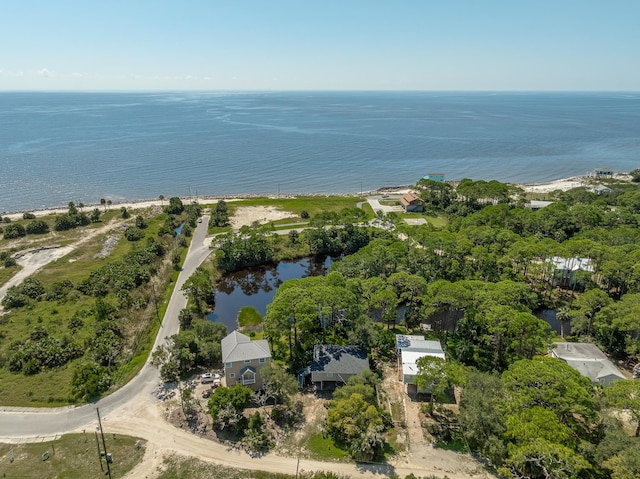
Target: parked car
386, 195
209, 378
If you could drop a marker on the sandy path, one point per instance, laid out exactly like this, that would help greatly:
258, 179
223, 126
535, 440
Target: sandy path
146, 419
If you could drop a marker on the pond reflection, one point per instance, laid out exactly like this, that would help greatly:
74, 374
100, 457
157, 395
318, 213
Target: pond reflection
257, 286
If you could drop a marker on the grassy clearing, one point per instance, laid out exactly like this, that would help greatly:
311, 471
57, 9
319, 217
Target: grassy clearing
190, 468
366, 207
397, 412
324, 449
7, 273
71, 456
456, 445
437, 221
249, 317
310, 204
393, 446
178, 467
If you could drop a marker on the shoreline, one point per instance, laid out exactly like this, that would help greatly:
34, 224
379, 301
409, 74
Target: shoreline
562, 184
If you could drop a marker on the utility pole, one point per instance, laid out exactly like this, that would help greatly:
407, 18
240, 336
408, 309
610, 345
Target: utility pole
104, 445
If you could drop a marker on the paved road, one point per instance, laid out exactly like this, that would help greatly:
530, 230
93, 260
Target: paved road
374, 201
36, 422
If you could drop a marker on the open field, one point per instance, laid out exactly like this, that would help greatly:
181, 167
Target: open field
70, 319
71, 456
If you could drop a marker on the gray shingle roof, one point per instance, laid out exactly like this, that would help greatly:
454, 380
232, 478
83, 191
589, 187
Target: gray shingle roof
339, 359
238, 347
588, 360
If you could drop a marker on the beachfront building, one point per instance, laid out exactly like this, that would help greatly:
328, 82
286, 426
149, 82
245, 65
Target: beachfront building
439, 177
243, 359
589, 361
409, 349
601, 173
411, 202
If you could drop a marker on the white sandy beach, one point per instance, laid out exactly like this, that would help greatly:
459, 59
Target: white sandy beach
562, 184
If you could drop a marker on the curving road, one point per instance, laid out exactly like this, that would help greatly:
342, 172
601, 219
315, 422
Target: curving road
21, 423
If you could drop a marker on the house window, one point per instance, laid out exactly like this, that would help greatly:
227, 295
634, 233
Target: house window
262, 360
227, 365
247, 361
248, 378
232, 375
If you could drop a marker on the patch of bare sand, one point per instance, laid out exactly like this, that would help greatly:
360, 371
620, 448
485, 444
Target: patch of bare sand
246, 215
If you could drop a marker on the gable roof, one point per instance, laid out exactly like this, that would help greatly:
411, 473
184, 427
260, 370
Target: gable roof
588, 360
238, 347
339, 359
408, 199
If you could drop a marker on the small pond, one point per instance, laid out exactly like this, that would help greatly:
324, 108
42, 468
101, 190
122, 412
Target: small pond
549, 316
257, 286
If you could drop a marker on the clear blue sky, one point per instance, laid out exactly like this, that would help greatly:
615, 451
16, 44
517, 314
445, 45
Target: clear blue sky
320, 45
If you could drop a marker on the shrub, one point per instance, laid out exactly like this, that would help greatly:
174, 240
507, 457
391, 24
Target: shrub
9, 261
140, 222
32, 288
90, 380
133, 233
13, 231
28, 216
14, 298
37, 227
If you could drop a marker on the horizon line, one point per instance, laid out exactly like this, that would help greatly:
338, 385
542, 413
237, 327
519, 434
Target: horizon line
271, 90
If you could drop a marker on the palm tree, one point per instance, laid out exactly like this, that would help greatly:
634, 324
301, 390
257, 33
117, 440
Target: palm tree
563, 315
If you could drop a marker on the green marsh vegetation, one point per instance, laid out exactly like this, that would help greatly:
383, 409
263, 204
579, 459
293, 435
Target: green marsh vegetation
84, 324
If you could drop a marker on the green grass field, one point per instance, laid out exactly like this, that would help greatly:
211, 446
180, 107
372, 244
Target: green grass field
323, 449
72, 456
7, 273
310, 204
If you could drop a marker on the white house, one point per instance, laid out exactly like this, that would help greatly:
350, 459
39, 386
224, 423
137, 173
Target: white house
565, 270
410, 349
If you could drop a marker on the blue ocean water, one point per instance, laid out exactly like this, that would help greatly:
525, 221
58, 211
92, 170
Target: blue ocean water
61, 147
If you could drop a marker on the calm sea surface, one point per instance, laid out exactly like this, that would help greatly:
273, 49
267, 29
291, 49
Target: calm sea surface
61, 147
